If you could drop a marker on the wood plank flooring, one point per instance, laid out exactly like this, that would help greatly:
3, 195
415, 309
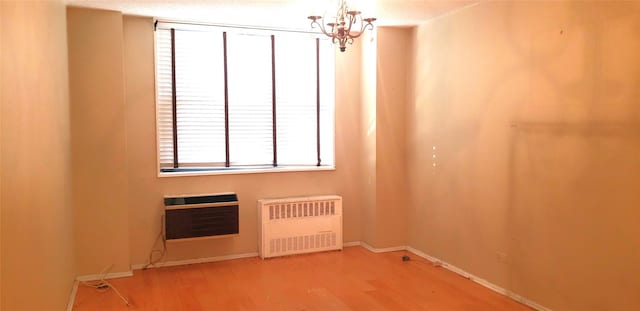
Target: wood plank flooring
353, 279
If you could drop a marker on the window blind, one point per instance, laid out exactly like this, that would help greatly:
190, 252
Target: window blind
164, 97
250, 117
277, 87
200, 98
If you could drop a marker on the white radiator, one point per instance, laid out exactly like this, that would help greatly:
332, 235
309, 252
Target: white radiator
299, 225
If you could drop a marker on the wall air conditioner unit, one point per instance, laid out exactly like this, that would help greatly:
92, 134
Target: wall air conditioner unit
201, 216
299, 225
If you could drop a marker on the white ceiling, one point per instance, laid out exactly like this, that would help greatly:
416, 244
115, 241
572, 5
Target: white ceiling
275, 13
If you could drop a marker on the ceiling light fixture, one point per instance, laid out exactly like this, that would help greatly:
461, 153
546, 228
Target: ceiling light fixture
344, 27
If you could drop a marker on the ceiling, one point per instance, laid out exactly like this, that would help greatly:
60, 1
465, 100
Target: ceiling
276, 13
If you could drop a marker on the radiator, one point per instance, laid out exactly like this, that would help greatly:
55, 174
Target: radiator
299, 225
200, 216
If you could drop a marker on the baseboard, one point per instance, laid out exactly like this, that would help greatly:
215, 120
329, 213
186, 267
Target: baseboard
195, 261
248, 255
96, 277
215, 259
72, 298
382, 250
478, 280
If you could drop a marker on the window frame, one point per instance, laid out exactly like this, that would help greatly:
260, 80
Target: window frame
193, 169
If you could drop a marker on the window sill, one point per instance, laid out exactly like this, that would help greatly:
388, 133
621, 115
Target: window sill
251, 170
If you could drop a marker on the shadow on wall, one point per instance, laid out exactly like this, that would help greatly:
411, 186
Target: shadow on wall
573, 209
525, 149
573, 177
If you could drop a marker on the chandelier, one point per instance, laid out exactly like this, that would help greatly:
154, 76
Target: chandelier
346, 26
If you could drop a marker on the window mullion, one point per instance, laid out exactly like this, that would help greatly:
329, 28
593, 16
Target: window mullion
273, 99
318, 99
227, 162
174, 99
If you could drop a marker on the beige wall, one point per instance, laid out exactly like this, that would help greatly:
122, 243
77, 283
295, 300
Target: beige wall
98, 144
37, 241
391, 98
147, 190
530, 109
2, 18
534, 110
384, 95
368, 128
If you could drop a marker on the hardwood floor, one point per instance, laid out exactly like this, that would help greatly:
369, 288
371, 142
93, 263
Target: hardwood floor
353, 279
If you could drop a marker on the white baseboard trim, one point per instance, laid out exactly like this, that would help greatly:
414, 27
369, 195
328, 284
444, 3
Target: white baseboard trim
478, 280
195, 261
96, 277
382, 250
72, 298
350, 244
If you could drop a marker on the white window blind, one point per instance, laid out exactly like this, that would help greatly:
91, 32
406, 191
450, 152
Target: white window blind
200, 98
250, 113
296, 111
327, 101
196, 136
164, 97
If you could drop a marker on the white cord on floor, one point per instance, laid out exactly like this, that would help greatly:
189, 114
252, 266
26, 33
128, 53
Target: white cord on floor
126, 302
103, 285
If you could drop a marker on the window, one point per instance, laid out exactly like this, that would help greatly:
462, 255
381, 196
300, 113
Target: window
236, 98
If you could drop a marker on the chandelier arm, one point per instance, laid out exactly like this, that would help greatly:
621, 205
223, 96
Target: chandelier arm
368, 25
357, 35
352, 20
321, 26
355, 22
364, 27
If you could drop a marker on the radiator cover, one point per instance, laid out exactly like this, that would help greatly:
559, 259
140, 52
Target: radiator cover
299, 225
201, 216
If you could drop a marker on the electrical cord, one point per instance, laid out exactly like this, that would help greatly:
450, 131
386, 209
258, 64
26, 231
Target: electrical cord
162, 251
103, 285
99, 284
126, 302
